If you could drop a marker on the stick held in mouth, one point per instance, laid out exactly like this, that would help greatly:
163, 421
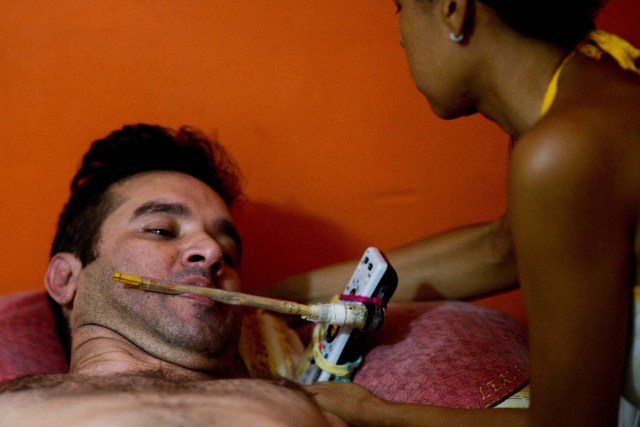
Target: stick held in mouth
351, 315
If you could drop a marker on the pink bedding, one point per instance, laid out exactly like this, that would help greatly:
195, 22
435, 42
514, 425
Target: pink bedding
444, 353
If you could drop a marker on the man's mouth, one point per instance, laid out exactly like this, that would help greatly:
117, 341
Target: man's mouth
184, 287
201, 282
199, 298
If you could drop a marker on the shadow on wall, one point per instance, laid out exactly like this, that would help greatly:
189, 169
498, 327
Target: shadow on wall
279, 242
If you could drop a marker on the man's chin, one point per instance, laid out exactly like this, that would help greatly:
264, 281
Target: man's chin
195, 323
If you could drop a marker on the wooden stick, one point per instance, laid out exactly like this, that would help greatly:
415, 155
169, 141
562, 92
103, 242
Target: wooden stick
219, 295
351, 315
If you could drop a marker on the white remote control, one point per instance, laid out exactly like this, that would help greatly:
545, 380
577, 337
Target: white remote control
373, 283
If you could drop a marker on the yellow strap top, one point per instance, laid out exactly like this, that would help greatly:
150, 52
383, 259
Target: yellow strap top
596, 43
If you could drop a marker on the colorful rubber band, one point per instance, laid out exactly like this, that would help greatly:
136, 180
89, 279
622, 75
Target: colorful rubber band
341, 372
361, 298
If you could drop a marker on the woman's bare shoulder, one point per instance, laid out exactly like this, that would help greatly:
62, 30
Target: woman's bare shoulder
583, 141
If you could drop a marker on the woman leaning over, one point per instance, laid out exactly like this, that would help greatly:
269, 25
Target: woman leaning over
571, 99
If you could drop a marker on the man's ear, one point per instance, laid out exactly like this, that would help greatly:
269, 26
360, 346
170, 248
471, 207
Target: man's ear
61, 278
455, 14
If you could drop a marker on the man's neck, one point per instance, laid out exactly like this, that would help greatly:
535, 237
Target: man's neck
97, 351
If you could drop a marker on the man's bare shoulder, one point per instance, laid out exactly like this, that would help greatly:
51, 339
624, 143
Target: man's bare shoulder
31, 387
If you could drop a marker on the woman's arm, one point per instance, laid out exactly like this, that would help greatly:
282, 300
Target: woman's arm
458, 264
572, 218
359, 408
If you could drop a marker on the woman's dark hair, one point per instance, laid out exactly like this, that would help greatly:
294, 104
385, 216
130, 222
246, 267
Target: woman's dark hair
129, 151
561, 22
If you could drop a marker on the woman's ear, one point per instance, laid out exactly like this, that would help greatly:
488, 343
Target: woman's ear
455, 13
61, 277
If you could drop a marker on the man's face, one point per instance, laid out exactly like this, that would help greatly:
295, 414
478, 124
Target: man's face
169, 226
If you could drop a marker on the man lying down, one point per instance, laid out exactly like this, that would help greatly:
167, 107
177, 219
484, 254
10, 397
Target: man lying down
153, 202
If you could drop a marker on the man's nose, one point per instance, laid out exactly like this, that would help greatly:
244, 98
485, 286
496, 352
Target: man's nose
203, 251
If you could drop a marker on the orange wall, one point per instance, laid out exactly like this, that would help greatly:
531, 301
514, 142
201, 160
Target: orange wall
313, 99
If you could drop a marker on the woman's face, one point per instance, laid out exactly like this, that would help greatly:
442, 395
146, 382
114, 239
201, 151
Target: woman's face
424, 36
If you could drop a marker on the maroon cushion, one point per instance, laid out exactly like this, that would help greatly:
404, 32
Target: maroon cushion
451, 354
446, 353
29, 344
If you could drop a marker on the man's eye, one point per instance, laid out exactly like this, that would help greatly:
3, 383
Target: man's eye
229, 260
398, 8
160, 232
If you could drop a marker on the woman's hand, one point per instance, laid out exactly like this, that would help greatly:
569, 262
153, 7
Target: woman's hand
349, 401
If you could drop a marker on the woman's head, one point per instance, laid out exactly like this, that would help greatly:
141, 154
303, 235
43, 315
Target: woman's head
563, 23
435, 34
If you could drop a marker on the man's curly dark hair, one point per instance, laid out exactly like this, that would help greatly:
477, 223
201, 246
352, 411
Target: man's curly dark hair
129, 151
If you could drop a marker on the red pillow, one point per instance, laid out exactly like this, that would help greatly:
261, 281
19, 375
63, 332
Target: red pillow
451, 354
29, 344
443, 353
